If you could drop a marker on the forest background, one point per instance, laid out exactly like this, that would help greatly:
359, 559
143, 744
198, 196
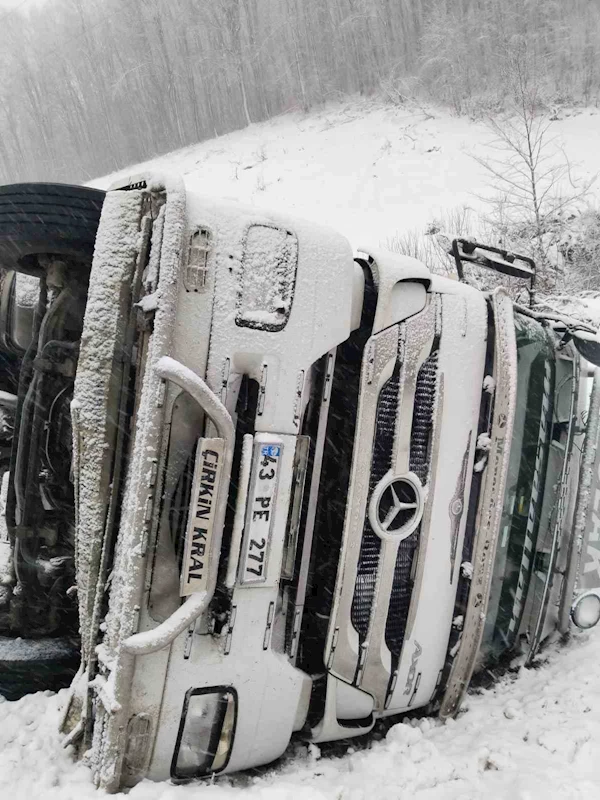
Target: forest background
87, 87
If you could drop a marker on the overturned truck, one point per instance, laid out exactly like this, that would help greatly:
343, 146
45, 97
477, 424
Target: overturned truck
310, 490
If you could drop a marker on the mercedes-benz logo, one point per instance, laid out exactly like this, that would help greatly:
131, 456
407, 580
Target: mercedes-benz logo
396, 506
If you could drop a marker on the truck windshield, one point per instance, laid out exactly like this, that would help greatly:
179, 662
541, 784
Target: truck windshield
523, 499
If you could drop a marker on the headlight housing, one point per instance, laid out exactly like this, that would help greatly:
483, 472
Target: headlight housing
585, 611
206, 732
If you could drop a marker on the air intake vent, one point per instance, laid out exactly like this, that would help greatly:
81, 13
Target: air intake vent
381, 462
420, 437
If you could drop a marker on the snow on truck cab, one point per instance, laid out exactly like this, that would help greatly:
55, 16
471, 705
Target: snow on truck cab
310, 490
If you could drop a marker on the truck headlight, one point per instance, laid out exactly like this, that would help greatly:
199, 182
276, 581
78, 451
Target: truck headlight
585, 611
206, 732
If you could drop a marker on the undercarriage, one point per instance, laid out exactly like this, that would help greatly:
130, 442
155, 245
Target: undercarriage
37, 594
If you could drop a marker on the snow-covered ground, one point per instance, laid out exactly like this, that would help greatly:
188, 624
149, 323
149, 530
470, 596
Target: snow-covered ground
370, 171
536, 737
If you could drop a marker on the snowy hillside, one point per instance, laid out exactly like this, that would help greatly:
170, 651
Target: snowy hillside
370, 171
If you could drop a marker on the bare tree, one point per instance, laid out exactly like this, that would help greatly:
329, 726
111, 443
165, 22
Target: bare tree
534, 188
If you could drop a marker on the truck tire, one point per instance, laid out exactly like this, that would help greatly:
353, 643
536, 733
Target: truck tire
47, 218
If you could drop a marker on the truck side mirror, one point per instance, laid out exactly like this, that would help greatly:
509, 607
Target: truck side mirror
468, 251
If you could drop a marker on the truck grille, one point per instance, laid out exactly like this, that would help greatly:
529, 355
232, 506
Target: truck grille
420, 456
381, 462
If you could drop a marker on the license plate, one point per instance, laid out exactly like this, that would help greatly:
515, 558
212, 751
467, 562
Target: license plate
203, 503
259, 519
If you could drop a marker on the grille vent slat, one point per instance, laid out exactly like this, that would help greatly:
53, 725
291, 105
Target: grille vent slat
420, 456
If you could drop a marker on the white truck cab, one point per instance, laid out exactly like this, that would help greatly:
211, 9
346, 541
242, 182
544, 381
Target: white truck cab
288, 464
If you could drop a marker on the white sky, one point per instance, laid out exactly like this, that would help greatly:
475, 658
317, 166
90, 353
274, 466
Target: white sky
10, 5
7, 5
